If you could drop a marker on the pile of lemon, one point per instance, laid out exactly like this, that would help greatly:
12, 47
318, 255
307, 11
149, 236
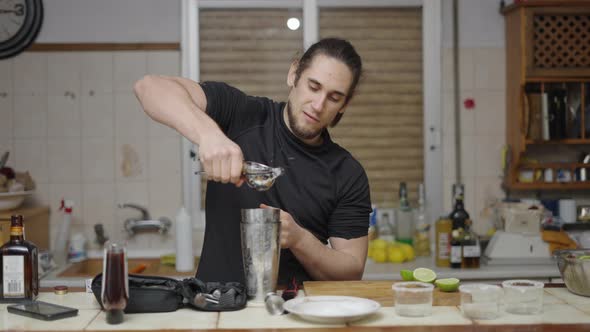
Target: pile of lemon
382, 251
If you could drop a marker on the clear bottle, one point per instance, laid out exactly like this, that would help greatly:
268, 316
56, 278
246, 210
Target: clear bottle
422, 233
404, 219
19, 261
444, 227
385, 228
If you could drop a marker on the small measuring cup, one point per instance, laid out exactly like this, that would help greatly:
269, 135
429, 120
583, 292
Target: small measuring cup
258, 176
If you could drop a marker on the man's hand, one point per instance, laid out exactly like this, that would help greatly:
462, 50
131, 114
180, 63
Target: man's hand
291, 232
222, 159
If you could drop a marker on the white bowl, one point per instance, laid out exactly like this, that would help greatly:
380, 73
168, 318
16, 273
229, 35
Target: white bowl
12, 200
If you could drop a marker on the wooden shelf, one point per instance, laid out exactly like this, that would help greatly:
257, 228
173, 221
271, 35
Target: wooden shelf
540, 185
568, 141
539, 39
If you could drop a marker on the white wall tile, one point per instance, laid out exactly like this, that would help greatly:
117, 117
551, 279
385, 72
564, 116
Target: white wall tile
490, 68
64, 160
488, 155
131, 159
164, 158
6, 145
128, 68
97, 72
63, 73
6, 115
41, 195
99, 207
490, 113
6, 77
467, 120
31, 155
466, 69
98, 116
63, 116
131, 120
98, 160
30, 116
30, 73
163, 63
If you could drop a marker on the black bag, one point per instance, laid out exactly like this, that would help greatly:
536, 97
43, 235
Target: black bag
161, 294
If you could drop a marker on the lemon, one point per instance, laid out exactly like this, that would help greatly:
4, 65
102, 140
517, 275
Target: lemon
395, 254
407, 275
448, 284
408, 251
380, 255
379, 244
425, 275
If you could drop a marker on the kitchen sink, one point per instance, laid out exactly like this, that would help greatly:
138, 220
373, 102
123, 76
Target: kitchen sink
149, 266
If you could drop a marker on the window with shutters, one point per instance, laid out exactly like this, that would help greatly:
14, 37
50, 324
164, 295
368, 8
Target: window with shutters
382, 127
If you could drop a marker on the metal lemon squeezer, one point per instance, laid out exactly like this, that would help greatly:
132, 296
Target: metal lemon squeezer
258, 176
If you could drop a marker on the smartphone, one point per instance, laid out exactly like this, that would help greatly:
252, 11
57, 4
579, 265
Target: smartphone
42, 310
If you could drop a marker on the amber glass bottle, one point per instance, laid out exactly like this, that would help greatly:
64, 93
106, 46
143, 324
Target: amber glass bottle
18, 258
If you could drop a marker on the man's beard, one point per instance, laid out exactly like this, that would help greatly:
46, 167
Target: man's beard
299, 131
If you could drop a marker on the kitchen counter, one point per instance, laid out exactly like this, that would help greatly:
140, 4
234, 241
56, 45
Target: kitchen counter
562, 311
389, 271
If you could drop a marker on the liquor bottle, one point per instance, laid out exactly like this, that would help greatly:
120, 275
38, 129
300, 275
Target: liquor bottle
458, 217
422, 234
471, 249
444, 227
19, 261
403, 219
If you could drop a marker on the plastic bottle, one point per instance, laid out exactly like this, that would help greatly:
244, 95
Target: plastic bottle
185, 260
77, 248
60, 253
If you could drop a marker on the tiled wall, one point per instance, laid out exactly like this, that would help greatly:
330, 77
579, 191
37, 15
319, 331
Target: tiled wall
72, 120
482, 78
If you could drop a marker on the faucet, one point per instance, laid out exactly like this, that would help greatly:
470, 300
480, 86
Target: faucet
101, 238
145, 222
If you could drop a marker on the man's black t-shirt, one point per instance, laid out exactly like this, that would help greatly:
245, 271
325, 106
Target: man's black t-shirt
324, 188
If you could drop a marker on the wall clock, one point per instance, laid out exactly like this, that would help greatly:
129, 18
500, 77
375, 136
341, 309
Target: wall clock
20, 22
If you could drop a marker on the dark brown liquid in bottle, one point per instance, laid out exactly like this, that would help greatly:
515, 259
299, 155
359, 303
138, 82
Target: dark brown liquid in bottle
22, 280
114, 298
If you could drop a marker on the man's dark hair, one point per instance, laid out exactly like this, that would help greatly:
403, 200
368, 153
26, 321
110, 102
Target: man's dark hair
339, 49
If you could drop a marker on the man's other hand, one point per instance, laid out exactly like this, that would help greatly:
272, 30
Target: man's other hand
291, 232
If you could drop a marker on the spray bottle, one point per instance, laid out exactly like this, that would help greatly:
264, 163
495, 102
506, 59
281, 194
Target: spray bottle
61, 242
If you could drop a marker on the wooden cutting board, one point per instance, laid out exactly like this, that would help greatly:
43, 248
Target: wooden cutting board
379, 291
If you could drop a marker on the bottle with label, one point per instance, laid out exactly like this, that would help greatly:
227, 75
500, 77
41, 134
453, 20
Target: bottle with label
458, 217
422, 234
373, 224
19, 261
471, 249
403, 217
456, 258
385, 228
444, 227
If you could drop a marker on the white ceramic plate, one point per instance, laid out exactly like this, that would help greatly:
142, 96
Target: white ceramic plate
12, 200
331, 309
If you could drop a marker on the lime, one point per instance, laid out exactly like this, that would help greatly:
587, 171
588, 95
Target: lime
425, 275
407, 275
584, 257
448, 284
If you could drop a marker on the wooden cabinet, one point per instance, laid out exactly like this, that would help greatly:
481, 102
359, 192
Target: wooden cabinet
548, 95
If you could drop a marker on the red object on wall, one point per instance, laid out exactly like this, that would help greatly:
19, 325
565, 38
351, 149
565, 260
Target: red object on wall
469, 103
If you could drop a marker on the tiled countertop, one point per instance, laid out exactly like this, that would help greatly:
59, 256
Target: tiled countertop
560, 307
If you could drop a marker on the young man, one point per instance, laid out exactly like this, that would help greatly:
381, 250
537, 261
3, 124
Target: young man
324, 194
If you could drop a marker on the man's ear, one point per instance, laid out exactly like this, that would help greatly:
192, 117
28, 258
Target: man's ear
291, 74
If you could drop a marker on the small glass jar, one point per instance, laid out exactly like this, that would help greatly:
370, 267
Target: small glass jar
413, 299
480, 301
524, 297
